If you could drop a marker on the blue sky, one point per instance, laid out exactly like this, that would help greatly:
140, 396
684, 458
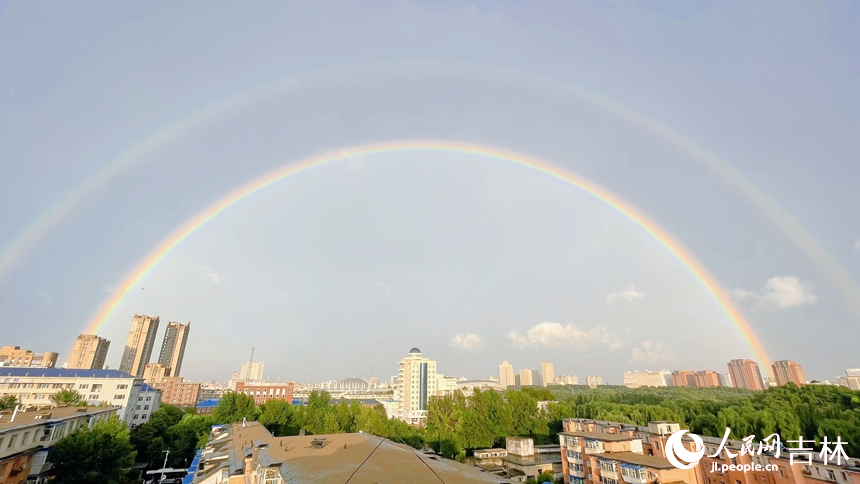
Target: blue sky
365, 259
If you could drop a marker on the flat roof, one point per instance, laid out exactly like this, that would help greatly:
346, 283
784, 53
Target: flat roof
367, 458
27, 418
637, 459
601, 436
62, 373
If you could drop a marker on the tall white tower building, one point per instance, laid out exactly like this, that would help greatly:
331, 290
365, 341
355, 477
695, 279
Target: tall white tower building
506, 374
416, 383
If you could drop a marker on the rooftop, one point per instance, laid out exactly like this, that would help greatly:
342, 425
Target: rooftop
62, 373
601, 436
336, 457
643, 460
29, 417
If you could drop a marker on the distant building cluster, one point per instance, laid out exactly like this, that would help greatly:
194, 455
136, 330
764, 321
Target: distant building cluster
529, 376
742, 373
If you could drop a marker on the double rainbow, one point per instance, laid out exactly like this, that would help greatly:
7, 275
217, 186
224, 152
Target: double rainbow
133, 279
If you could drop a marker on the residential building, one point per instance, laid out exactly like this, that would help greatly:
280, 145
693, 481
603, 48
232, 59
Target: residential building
786, 371
264, 392
547, 372
250, 373
138, 346
148, 401
467, 387
506, 374
211, 390
593, 381
416, 383
112, 387
726, 380
14, 356
684, 378
89, 352
173, 347
745, 374
176, 391
241, 453
567, 380
530, 377
708, 378
27, 435
613, 453
636, 379
850, 380
155, 373
205, 407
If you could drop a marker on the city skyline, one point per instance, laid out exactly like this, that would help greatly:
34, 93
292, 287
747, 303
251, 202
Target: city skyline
636, 202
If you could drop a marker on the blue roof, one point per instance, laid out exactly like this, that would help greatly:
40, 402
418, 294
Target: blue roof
208, 403
146, 388
63, 373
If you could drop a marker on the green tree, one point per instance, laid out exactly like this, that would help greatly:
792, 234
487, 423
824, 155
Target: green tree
280, 418
234, 407
69, 397
102, 454
318, 409
8, 402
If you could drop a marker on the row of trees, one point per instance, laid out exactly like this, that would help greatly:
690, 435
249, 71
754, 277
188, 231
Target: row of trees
457, 424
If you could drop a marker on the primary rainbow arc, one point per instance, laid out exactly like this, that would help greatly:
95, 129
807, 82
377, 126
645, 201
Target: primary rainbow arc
679, 251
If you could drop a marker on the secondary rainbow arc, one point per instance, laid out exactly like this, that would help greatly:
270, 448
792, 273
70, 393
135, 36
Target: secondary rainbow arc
698, 271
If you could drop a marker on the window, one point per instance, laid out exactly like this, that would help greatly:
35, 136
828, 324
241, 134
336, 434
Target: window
83, 387
94, 397
121, 387
781, 473
12, 441
136, 416
831, 475
119, 397
146, 407
97, 387
25, 437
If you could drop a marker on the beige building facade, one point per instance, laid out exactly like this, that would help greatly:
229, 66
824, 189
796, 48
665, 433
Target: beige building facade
506, 374
138, 346
547, 373
89, 353
416, 383
173, 347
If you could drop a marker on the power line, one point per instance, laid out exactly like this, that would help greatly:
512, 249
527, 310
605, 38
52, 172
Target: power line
381, 440
419, 457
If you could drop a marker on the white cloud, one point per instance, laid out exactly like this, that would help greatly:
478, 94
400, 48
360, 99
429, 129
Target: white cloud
631, 294
779, 292
210, 274
556, 335
652, 352
466, 341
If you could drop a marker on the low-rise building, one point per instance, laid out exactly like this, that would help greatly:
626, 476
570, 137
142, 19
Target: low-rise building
148, 401
524, 459
27, 434
176, 391
14, 356
34, 386
593, 381
263, 392
242, 453
205, 407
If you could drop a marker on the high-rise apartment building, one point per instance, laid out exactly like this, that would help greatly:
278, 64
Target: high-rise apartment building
593, 381
155, 373
850, 380
566, 380
89, 353
636, 379
745, 374
138, 347
788, 371
173, 347
251, 373
547, 372
708, 378
529, 377
506, 374
14, 356
684, 378
416, 382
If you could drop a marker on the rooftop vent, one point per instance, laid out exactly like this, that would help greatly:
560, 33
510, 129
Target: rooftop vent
318, 442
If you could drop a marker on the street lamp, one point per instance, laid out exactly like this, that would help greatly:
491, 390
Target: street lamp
166, 453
